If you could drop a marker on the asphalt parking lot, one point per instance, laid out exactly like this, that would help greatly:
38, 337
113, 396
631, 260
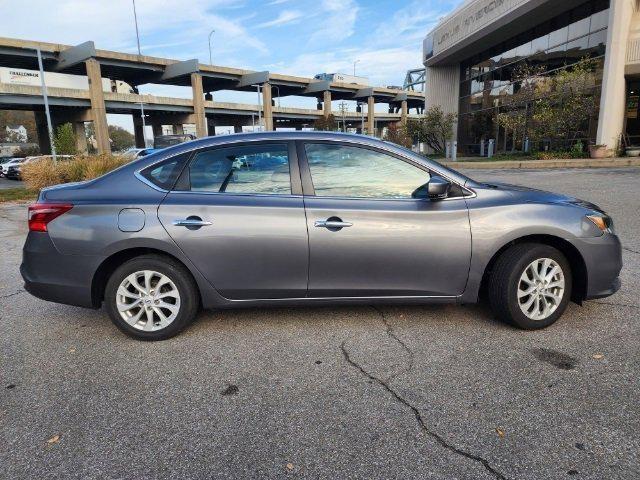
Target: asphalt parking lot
351, 392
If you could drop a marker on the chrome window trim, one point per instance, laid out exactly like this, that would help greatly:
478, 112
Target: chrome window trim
238, 194
148, 182
351, 140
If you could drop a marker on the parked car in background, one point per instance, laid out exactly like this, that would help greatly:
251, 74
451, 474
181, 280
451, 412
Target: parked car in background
8, 162
164, 141
14, 171
135, 153
12, 163
310, 218
4, 160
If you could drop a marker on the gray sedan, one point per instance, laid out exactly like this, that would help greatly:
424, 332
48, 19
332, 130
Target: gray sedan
309, 218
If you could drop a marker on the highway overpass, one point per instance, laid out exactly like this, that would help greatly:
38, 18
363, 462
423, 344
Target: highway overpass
79, 106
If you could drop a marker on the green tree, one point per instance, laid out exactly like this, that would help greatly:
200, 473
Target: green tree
397, 133
435, 128
65, 140
327, 123
551, 107
121, 139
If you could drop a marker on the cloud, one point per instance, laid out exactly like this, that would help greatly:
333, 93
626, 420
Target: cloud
165, 25
278, 2
408, 24
338, 19
285, 17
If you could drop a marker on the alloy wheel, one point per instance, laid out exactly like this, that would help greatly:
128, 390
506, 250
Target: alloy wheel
541, 289
148, 300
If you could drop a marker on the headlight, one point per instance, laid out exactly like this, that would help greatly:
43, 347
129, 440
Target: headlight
603, 222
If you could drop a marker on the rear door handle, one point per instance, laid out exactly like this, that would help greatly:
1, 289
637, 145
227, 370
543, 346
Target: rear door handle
192, 223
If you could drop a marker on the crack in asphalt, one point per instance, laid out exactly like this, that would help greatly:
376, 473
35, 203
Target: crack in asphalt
630, 250
390, 332
11, 294
421, 422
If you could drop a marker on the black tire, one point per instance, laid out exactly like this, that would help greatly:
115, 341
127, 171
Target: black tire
505, 278
177, 273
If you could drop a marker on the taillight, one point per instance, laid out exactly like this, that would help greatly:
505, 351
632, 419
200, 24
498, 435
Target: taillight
40, 214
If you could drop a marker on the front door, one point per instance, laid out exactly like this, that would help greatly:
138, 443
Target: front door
369, 236
237, 212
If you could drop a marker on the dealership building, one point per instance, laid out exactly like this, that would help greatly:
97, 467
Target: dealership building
473, 56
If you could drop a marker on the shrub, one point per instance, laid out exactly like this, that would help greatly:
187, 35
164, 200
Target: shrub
559, 154
434, 128
64, 140
397, 133
46, 172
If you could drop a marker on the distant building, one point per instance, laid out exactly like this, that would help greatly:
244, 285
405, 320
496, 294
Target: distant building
16, 133
472, 54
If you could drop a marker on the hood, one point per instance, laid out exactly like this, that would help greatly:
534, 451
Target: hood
532, 195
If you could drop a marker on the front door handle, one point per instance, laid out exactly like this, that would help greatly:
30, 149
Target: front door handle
333, 223
192, 223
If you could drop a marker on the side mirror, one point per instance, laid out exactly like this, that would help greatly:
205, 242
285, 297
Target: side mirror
438, 188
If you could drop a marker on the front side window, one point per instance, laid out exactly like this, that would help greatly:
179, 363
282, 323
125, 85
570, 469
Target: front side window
254, 169
356, 172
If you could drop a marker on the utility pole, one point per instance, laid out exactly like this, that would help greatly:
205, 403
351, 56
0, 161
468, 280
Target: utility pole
343, 110
46, 106
354, 67
144, 125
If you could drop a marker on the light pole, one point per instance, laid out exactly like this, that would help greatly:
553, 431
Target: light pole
144, 124
210, 57
354, 67
46, 105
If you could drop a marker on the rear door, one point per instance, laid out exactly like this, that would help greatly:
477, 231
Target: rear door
237, 212
370, 233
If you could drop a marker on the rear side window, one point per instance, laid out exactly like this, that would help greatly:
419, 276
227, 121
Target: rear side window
248, 169
165, 173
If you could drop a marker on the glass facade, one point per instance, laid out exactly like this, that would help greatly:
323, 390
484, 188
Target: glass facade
488, 79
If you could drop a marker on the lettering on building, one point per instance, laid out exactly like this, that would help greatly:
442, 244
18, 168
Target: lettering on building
469, 20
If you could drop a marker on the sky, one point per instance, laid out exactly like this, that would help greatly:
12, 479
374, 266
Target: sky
299, 37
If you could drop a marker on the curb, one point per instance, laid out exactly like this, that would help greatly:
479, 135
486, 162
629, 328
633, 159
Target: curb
537, 164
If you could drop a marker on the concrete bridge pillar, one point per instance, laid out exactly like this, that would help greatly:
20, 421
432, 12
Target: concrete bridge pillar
138, 132
211, 127
44, 143
237, 128
198, 105
267, 108
371, 106
178, 129
326, 103
81, 137
404, 111
98, 110
157, 129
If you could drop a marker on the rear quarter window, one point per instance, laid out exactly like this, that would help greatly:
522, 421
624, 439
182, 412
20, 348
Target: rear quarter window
165, 173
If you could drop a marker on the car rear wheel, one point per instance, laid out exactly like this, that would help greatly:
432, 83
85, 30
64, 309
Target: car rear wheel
530, 286
151, 297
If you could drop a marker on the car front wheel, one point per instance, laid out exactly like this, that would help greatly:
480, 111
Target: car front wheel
151, 297
530, 285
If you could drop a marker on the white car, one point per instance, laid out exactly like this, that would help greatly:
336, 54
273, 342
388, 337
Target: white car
14, 171
4, 167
